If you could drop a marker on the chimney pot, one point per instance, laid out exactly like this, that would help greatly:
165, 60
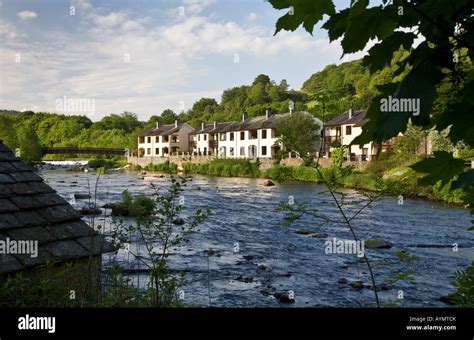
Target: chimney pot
244, 116
175, 123
157, 124
215, 124
350, 113
202, 126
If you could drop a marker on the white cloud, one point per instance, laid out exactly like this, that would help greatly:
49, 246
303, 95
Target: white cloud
252, 16
89, 62
26, 15
196, 6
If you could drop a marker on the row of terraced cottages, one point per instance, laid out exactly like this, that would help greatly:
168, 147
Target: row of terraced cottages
250, 138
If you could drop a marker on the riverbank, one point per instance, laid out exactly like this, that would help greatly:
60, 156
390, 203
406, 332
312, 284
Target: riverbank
398, 181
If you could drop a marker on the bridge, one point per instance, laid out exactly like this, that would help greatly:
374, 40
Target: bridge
85, 151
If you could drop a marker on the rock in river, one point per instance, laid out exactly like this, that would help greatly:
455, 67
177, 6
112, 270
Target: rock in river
357, 284
320, 235
378, 244
178, 221
268, 183
284, 297
303, 232
342, 280
82, 196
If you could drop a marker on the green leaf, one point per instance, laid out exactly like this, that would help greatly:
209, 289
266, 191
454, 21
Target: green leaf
381, 54
465, 180
442, 166
306, 13
382, 125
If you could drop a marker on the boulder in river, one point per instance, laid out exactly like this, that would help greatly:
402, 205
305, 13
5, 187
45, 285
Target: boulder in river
449, 299
178, 221
320, 235
343, 280
378, 244
303, 232
90, 211
120, 210
82, 196
268, 183
284, 297
248, 257
357, 284
245, 279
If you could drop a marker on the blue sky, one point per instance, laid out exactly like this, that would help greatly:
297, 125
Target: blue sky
145, 56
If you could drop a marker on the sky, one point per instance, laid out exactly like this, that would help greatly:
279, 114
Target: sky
145, 56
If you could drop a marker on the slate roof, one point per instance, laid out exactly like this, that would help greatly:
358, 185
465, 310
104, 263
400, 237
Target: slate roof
31, 210
260, 122
163, 130
358, 119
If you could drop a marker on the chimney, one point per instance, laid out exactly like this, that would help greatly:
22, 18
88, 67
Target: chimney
157, 124
350, 113
267, 113
176, 123
215, 124
202, 126
245, 116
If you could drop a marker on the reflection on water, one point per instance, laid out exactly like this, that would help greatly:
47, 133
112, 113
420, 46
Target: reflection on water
280, 259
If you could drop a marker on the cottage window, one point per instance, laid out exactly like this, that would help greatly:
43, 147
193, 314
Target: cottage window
348, 130
157, 139
157, 151
148, 139
148, 151
205, 137
231, 136
242, 135
264, 134
231, 151
242, 151
264, 150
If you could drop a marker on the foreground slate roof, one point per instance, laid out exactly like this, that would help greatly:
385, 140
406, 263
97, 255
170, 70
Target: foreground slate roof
358, 119
31, 210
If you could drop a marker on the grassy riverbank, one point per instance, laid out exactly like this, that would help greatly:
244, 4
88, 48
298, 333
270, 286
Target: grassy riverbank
397, 181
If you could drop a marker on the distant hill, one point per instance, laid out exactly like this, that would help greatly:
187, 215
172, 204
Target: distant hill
10, 112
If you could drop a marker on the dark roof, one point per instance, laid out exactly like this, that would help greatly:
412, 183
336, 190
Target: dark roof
30, 210
358, 119
163, 130
254, 123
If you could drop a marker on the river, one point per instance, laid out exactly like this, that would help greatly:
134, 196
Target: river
243, 213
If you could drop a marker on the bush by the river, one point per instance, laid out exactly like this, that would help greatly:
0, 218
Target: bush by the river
134, 206
224, 168
166, 167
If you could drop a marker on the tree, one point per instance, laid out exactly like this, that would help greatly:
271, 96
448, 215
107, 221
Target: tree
29, 145
300, 133
168, 117
126, 121
261, 79
283, 85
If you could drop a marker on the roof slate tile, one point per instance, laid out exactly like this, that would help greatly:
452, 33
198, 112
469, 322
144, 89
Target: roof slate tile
7, 206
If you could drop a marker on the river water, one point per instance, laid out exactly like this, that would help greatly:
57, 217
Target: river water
273, 258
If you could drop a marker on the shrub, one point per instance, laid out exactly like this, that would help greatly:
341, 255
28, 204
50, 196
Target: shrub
166, 167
